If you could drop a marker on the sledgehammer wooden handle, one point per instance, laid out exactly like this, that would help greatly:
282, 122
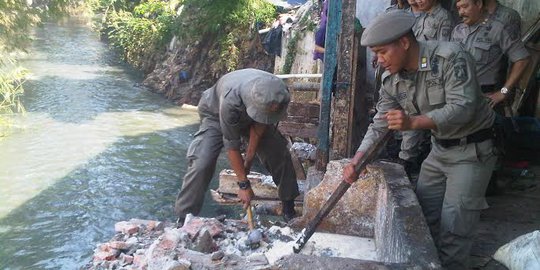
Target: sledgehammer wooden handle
250, 218
338, 193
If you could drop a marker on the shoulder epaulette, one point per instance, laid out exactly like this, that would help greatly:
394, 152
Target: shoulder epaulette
447, 49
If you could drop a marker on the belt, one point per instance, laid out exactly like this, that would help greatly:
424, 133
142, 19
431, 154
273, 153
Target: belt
487, 88
479, 136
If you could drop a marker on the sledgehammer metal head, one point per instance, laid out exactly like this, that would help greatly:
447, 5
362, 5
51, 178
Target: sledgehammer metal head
254, 236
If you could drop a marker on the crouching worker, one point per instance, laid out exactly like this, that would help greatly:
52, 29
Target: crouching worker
432, 86
243, 104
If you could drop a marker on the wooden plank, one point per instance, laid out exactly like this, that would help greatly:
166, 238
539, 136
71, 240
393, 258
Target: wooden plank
305, 86
330, 60
289, 76
297, 164
262, 185
261, 206
342, 113
303, 112
294, 129
359, 99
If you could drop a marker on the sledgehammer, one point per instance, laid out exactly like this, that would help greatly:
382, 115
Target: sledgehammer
338, 193
254, 236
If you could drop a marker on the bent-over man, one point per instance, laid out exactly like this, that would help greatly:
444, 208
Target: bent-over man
247, 104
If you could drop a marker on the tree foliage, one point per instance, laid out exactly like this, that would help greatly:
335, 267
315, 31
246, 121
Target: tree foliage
146, 28
16, 19
139, 34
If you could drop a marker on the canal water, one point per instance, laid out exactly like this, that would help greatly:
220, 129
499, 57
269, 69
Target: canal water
93, 148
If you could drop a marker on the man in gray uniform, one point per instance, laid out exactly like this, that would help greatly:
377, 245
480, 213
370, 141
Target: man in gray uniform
493, 45
488, 40
507, 16
243, 104
435, 23
411, 6
433, 86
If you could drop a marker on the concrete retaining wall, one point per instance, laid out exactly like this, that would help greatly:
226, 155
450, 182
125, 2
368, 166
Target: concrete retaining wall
401, 233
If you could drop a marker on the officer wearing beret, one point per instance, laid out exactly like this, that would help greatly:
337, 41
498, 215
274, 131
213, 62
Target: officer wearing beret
243, 104
432, 85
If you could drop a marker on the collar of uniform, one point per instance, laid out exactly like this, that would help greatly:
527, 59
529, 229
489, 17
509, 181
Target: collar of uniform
480, 23
424, 63
436, 9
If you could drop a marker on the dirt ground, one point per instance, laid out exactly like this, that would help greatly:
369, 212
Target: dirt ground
514, 212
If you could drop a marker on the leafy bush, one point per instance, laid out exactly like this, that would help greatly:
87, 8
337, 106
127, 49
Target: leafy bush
140, 34
143, 31
15, 20
214, 16
11, 80
226, 20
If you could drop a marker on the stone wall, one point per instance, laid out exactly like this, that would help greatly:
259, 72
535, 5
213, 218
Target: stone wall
380, 205
401, 233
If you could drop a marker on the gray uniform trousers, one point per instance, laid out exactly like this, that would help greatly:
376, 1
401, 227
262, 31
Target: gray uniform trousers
202, 157
451, 189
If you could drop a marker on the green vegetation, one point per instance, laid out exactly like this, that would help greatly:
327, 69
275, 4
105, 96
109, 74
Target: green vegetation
139, 29
304, 23
139, 33
143, 30
11, 79
291, 53
16, 19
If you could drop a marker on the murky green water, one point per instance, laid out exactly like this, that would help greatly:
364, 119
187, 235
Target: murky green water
92, 149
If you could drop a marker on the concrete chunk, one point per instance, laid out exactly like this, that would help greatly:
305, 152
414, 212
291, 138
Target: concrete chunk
354, 214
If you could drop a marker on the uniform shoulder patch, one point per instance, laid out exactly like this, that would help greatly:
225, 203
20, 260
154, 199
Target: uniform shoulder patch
460, 69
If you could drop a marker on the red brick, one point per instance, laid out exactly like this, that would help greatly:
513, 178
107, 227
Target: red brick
119, 245
139, 260
126, 259
104, 256
126, 227
194, 225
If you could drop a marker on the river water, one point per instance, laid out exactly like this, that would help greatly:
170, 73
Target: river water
92, 149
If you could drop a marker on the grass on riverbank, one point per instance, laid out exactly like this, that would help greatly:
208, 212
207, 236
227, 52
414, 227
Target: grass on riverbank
141, 33
11, 81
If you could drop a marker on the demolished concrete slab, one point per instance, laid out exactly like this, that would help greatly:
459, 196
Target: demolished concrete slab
396, 236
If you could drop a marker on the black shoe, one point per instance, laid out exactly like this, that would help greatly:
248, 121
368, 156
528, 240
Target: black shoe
287, 209
180, 222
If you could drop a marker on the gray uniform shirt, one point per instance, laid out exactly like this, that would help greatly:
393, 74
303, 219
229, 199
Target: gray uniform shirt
444, 89
434, 25
509, 18
488, 41
226, 102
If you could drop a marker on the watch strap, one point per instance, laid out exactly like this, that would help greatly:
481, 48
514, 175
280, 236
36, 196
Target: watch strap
243, 185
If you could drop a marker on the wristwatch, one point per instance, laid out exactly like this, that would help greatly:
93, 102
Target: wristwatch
504, 91
244, 184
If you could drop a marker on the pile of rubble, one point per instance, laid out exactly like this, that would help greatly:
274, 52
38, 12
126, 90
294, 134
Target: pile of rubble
202, 243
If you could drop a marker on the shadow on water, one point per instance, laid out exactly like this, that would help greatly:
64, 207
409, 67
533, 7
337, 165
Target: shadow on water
93, 149
134, 178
